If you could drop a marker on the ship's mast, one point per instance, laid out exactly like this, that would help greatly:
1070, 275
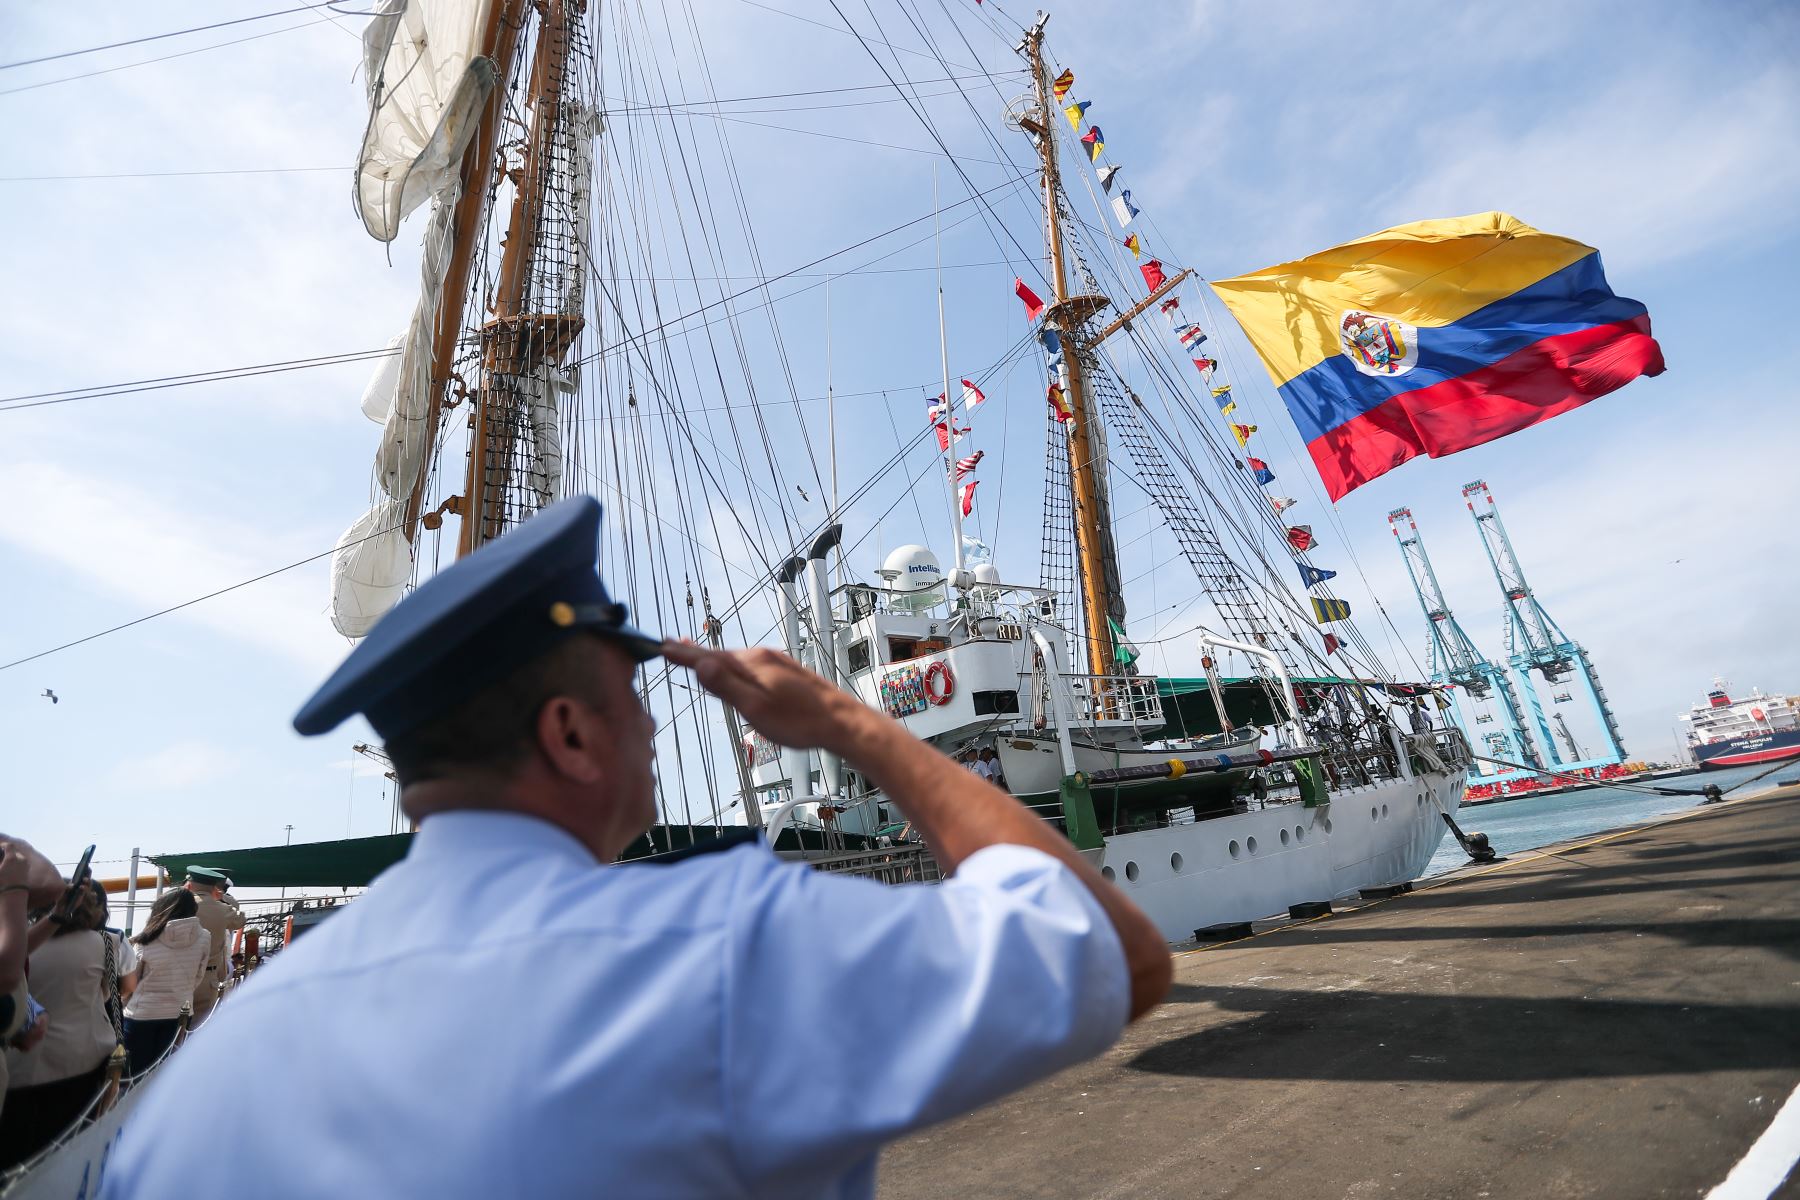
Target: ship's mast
517, 342
498, 44
1067, 314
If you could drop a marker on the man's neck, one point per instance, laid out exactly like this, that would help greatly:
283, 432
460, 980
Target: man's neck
424, 800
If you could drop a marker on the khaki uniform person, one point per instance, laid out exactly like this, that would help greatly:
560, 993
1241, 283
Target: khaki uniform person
219, 914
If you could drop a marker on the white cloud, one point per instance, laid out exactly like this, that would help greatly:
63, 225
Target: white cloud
136, 544
178, 767
1691, 168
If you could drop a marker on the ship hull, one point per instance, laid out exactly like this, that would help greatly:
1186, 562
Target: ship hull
1745, 751
1256, 864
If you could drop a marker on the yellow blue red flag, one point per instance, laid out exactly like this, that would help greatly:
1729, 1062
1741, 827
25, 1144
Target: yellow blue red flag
1437, 336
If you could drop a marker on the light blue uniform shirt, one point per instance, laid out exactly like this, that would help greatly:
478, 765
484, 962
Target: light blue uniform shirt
502, 1016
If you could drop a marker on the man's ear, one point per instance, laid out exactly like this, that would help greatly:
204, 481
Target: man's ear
571, 737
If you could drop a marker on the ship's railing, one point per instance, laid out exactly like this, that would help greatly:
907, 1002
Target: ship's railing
1118, 698
896, 864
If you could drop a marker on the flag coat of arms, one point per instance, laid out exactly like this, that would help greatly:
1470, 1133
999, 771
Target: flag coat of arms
1437, 336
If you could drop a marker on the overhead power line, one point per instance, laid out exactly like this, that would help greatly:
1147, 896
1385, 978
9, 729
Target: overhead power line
95, 392
170, 174
157, 37
29, 87
163, 612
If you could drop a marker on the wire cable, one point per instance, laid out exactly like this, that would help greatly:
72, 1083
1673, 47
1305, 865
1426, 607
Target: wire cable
157, 37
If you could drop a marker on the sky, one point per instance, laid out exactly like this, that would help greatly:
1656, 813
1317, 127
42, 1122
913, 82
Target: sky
193, 213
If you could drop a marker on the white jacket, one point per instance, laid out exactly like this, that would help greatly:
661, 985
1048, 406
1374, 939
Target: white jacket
172, 966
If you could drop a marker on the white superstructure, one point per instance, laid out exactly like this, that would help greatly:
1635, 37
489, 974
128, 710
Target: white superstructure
976, 664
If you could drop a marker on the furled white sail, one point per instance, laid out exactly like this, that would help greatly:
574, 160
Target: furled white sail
369, 568
401, 455
584, 125
427, 83
378, 397
374, 558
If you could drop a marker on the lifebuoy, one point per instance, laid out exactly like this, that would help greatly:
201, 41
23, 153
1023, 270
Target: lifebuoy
939, 669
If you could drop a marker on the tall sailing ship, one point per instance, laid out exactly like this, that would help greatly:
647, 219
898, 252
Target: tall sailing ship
543, 358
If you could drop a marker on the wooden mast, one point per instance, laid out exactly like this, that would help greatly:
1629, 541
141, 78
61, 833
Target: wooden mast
1067, 314
516, 341
498, 43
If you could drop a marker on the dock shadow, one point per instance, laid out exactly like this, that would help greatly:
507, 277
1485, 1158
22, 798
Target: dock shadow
1369, 1036
1779, 934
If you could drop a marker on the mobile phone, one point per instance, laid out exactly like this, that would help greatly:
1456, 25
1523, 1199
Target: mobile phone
65, 908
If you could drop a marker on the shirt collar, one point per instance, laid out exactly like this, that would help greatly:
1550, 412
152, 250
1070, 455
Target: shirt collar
477, 831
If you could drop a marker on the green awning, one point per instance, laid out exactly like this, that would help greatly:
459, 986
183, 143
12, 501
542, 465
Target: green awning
352, 862
355, 862
1189, 710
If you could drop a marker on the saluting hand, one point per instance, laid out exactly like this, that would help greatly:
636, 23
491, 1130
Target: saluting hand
781, 699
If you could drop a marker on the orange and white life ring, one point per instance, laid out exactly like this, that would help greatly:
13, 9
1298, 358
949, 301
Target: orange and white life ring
939, 670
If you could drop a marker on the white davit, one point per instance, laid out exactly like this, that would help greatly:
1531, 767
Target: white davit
427, 82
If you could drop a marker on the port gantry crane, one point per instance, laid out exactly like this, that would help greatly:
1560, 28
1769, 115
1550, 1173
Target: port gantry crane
1456, 661
1533, 640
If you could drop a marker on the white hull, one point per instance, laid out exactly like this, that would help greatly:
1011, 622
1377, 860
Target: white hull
1256, 864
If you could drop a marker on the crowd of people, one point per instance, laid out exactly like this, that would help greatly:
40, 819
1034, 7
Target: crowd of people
83, 1006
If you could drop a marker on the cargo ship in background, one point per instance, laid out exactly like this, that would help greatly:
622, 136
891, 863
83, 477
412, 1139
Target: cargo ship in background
1724, 732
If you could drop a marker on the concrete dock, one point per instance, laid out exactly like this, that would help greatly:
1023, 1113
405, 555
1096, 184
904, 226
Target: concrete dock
1619, 1016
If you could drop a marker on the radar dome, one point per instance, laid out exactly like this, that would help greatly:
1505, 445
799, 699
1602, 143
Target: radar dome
914, 572
987, 573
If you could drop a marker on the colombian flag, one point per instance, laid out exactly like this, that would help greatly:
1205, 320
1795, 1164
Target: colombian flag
1436, 336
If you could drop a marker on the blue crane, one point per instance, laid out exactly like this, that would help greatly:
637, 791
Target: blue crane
1535, 643
1456, 661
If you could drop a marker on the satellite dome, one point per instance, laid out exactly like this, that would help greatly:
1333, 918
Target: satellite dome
987, 573
915, 572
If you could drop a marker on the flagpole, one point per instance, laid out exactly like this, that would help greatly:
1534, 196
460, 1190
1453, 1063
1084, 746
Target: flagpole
949, 413
831, 423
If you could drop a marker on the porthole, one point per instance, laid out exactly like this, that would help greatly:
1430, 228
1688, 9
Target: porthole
1284, 837
1374, 814
1232, 849
1175, 862
1421, 802
1131, 871
1326, 823
1250, 844
1384, 812
1106, 873
1299, 833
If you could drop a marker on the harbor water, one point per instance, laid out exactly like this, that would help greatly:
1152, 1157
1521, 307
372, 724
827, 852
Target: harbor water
1513, 826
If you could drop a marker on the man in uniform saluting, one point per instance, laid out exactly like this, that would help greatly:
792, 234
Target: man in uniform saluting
219, 914
505, 1014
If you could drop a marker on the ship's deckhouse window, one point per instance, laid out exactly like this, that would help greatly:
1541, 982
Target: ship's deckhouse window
900, 649
858, 656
